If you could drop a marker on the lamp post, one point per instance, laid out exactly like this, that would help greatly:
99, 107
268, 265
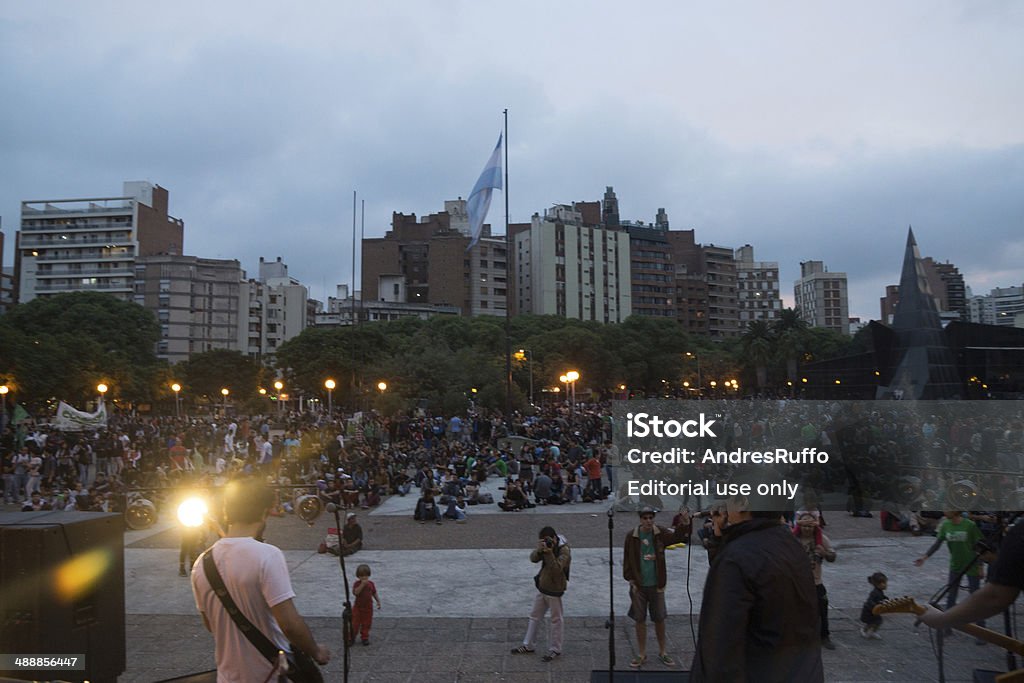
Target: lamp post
101, 389
3, 407
528, 355
570, 379
278, 386
382, 386
177, 409
690, 354
224, 392
330, 384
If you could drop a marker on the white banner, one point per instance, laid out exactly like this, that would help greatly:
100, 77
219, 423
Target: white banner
72, 420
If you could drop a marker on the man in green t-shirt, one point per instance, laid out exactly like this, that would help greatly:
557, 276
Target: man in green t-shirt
960, 534
643, 565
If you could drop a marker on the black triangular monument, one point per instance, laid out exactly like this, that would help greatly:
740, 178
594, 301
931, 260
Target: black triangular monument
923, 362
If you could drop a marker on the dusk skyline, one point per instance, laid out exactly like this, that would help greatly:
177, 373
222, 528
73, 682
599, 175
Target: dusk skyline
811, 131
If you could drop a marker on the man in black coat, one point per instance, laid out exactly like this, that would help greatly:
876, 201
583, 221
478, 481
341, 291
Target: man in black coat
759, 617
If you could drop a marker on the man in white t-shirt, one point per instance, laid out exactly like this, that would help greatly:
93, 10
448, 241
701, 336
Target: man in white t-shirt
256, 576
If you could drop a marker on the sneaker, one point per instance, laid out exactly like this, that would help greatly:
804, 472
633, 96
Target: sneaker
828, 644
875, 635
864, 632
440, 522
181, 570
550, 656
366, 641
522, 650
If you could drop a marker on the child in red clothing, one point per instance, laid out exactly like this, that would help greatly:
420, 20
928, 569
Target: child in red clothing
362, 611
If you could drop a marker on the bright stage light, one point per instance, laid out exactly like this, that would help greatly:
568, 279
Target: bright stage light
192, 512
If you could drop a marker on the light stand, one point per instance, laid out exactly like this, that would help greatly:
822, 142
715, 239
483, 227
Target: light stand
346, 613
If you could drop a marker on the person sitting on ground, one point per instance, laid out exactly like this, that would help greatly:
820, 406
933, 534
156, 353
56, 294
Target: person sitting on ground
351, 535
427, 508
542, 488
515, 499
456, 509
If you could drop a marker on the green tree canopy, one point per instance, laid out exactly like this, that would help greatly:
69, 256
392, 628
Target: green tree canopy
63, 346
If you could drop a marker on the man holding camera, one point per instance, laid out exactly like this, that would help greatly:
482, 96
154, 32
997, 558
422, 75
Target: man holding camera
552, 552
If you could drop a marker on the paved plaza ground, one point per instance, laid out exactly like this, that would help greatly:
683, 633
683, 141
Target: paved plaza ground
456, 596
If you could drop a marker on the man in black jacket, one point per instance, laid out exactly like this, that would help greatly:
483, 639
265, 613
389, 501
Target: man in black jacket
759, 617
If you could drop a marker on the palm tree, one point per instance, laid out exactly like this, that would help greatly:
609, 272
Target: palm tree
756, 345
790, 339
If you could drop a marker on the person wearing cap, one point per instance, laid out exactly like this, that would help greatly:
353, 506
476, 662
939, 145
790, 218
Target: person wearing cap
643, 566
351, 535
759, 615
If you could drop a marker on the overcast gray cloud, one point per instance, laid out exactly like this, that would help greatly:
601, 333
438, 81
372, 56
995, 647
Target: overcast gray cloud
810, 130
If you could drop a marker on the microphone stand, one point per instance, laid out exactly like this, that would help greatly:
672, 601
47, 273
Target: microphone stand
934, 602
610, 624
346, 613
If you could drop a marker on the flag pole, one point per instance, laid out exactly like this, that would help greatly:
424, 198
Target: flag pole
508, 293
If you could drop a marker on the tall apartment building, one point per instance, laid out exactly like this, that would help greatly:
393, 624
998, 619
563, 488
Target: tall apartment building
946, 285
757, 288
569, 264
716, 267
652, 273
278, 308
821, 297
73, 245
6, 281
1001, 306
201, 304
428, 262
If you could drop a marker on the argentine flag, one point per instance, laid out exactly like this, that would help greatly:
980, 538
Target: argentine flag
480, 198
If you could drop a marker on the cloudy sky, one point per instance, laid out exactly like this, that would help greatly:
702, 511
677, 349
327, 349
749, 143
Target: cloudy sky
812, 130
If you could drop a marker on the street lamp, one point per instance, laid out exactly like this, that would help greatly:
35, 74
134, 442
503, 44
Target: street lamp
570, 379
278, 386
177, 409
330, 384
3, 407
224, 392
690, 354
528, 355
382, 386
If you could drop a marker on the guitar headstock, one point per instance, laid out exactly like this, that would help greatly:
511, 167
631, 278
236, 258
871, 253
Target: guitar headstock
905, 604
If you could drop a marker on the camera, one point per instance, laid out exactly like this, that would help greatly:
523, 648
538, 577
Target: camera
549, 542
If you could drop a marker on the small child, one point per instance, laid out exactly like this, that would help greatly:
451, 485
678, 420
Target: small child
871, 620
362, 611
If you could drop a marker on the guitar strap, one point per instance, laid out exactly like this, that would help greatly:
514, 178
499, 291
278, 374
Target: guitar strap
255, 636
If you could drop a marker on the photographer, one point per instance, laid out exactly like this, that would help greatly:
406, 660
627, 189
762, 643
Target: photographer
552, 552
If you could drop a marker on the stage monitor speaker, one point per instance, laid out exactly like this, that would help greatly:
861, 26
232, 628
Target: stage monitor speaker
204, 677
640, 676
62, 591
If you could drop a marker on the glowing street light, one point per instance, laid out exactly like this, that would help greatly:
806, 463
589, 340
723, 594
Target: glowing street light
527, 354
102, 389
690, 354
224, 392
3, 406
330, 384
382, 386
278, 386
176, 388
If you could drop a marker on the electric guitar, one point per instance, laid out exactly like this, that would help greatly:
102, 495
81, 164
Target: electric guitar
907, 605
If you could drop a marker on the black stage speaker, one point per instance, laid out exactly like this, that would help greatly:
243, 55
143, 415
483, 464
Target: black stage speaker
62, 591
631, 676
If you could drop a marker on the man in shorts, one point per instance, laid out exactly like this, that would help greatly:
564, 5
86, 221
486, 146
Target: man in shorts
643, 565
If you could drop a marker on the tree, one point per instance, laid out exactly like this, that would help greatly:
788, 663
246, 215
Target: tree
205, 374
757, 346
63, 346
